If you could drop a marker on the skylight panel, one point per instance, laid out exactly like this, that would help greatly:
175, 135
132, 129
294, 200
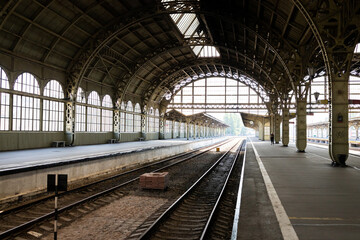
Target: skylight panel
357, 48
188, 24
192, 28
175, 17
185, 22
209, 51
196, 49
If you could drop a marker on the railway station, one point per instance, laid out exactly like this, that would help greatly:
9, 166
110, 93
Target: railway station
169, 119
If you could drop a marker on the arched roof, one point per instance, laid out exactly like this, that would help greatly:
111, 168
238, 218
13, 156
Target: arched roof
134, 48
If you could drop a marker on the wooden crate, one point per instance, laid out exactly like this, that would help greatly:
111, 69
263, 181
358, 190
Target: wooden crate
157, 180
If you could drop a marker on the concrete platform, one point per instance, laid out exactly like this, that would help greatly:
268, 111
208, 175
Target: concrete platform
24, 173
21, 159
318, 201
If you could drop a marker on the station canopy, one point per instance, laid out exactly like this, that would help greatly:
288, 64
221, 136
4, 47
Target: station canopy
146, 49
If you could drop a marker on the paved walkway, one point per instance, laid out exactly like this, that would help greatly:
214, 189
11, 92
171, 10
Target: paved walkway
44, 156
322, 202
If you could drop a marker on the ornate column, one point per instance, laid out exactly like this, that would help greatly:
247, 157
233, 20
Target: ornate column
261, 125
272, 123
339, 28
285, 127
194, 131
70, 123
116, 124
161, 127
301, 124
187, 129
143, 124
277, 123
172, 128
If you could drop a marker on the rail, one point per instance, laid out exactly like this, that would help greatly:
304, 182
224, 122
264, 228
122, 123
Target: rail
192, 195
158, 166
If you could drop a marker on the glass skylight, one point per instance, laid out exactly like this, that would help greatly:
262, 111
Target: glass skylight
189, 25
357, 48
205, 51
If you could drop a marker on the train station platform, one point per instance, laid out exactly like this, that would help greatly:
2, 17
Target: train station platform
24, 172
23, 159
298, 195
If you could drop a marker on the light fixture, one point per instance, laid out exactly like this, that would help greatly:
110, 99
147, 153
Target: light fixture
215, 73
311, 71
316, 95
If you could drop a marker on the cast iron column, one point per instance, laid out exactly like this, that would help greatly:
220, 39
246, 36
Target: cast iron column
301, 125
277, 128
285, 127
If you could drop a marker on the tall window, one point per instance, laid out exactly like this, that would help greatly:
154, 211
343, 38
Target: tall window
80, 119
107, 115
151, 120
93, 113
4, 102
157, 124
26, 109
176, 129
168, 126
129, 117
122, 117
182, 129
137, 118
53, 111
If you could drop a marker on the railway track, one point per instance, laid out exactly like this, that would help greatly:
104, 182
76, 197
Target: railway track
206, 210
84, 199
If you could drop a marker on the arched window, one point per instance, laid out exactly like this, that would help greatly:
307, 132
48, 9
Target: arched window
53, 111
122, 117
314, 132
216, 92
352, 133
151, 120
319, 133
325, 133
157, 124
4, 102
26, 109
129, 117
93, 113
80, 119
137, 118
107, 115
